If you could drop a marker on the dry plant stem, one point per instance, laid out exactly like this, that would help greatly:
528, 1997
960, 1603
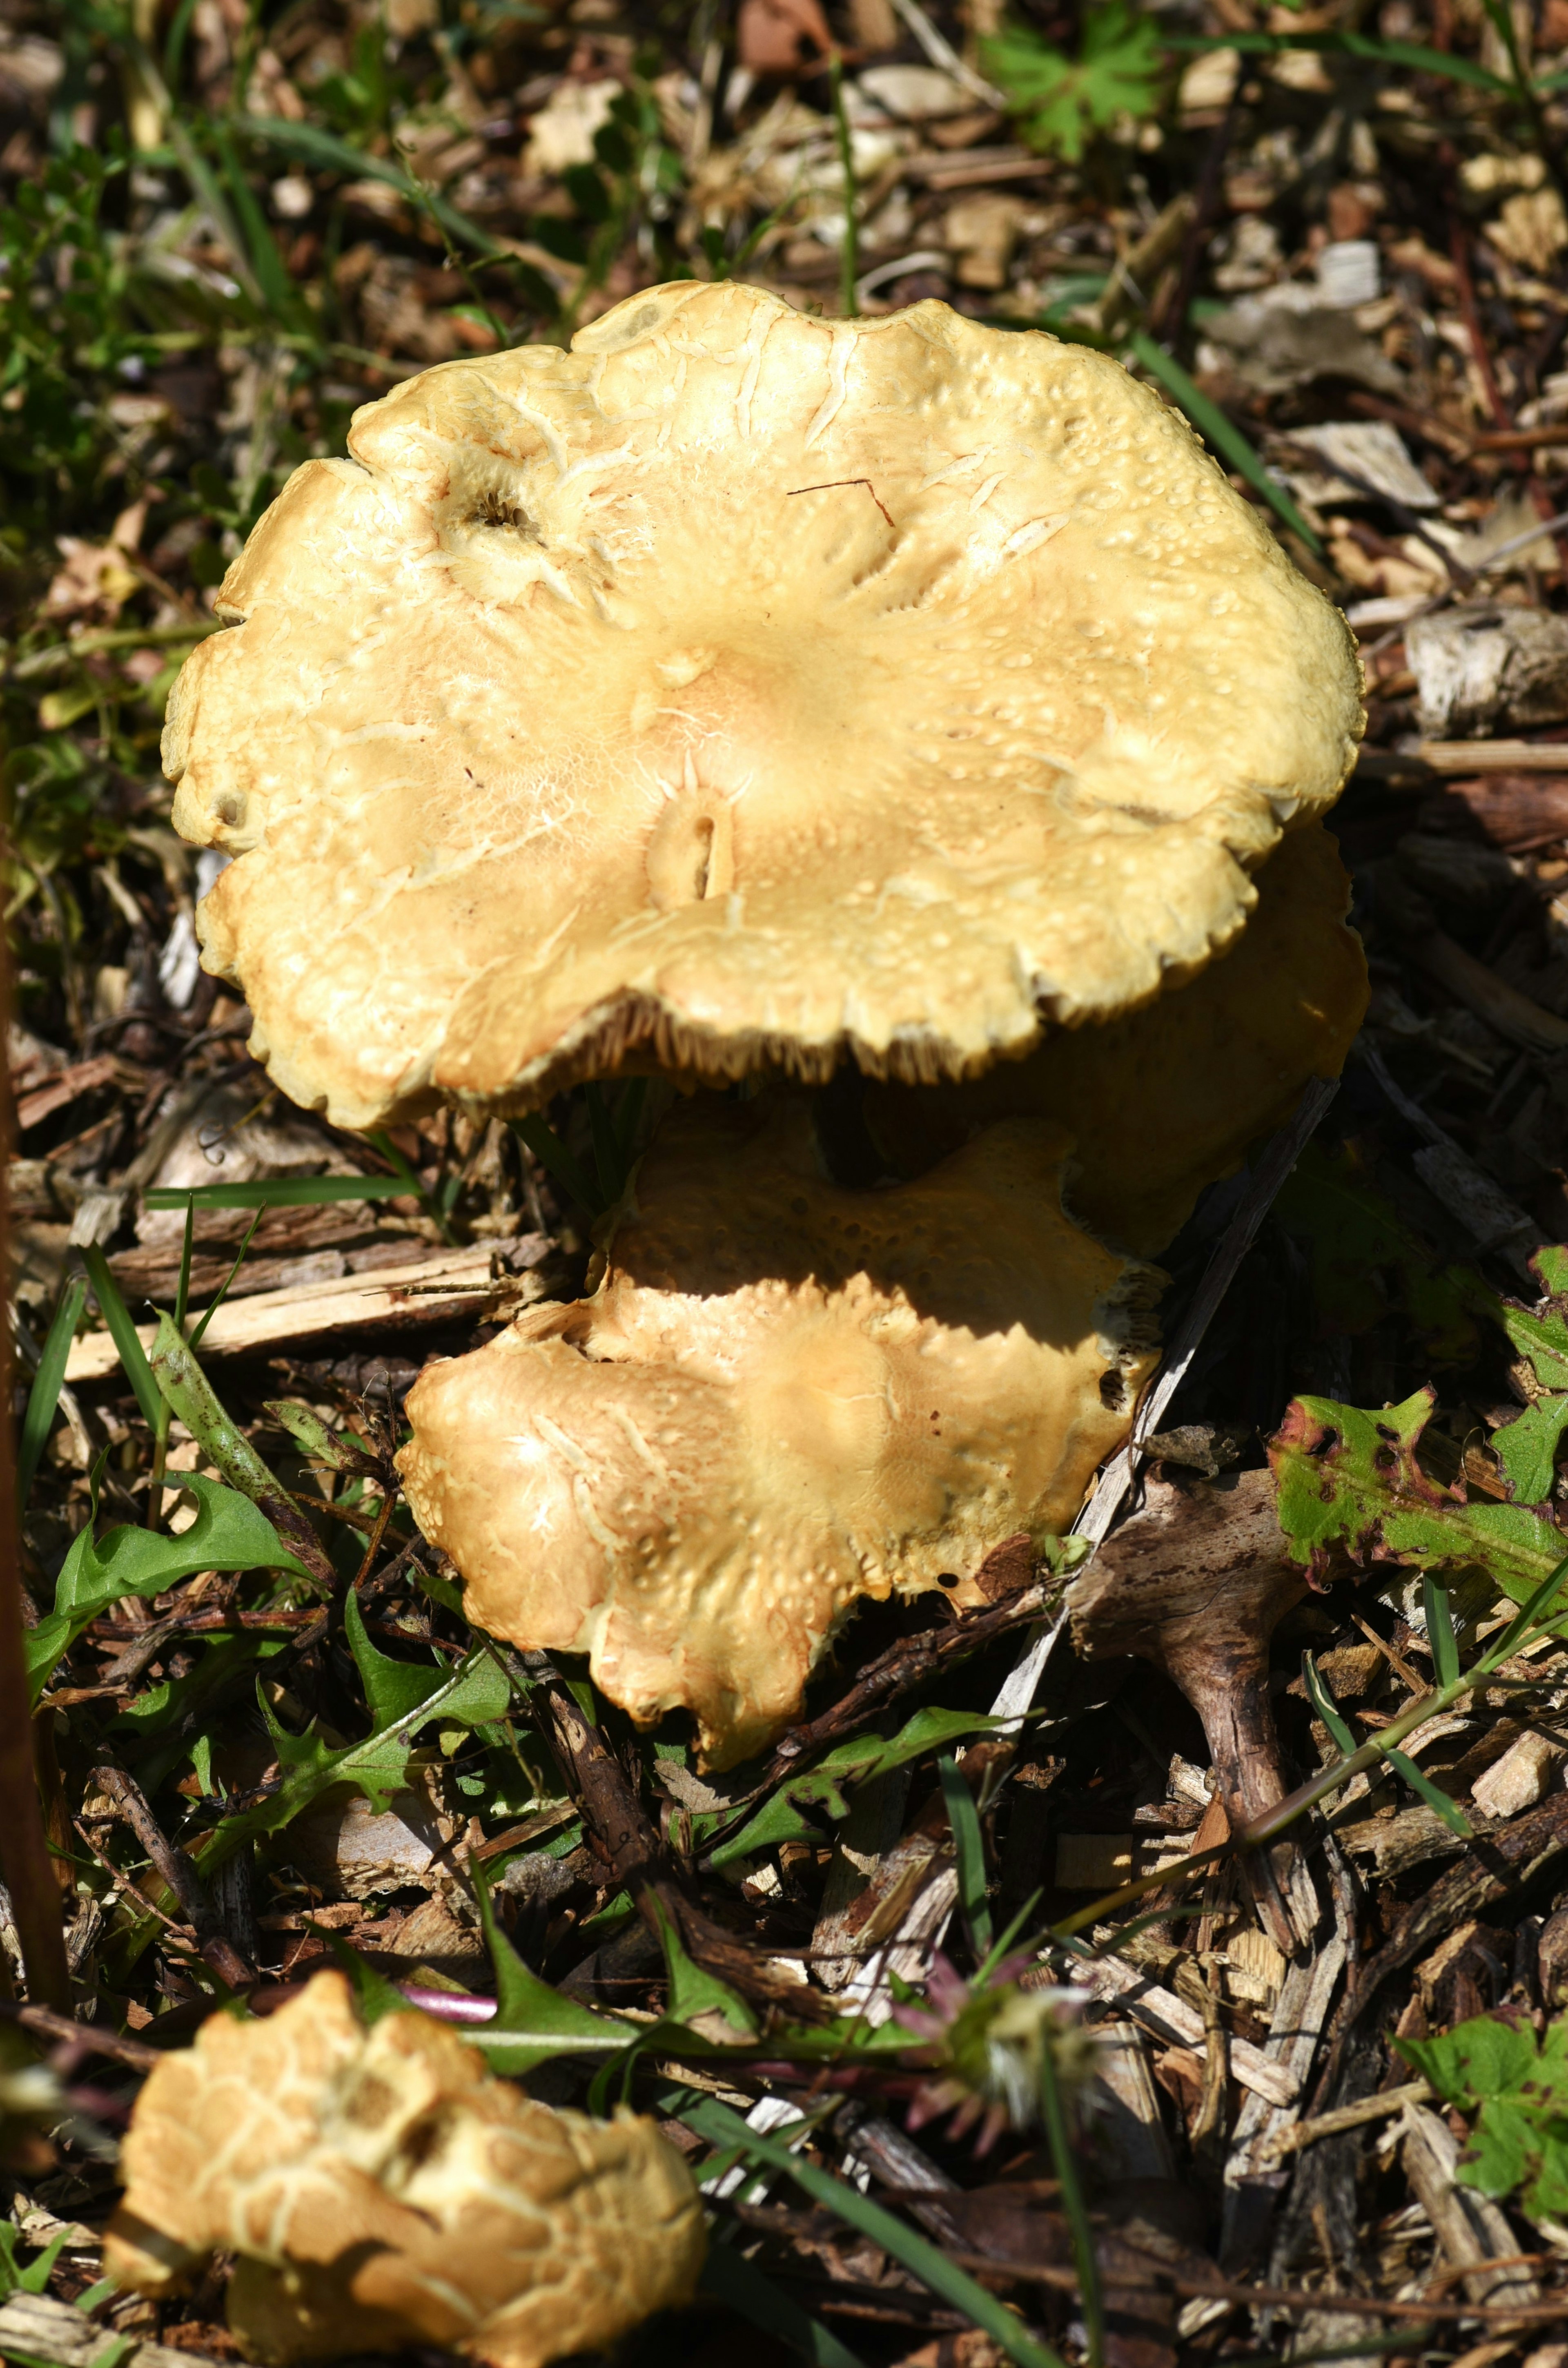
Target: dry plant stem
636, 1861
1196, 1583
1172, 314
24, 1853
178, 1874
1219, 2289
94, 2037
905, 1665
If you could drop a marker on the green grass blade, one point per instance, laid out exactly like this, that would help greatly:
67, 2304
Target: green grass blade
48, 1382
283, 1193
606, 1149
1441, 1630
720, 2127
969, 1844
329, 153
1058, 2140
731, 2279
223, 1288
187, 1249
1324, 1703
122, 1332
553, 1157
1452, 1816
1228, 441
278, 290
1524, 1626
1414, 55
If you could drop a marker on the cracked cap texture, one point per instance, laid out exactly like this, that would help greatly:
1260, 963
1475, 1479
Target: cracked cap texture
381, 2189
742, 687
783, 1396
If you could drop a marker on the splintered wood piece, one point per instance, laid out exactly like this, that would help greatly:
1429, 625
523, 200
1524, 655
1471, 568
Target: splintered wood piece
1196, 1584
1460, 756
452, 1284
1515, 811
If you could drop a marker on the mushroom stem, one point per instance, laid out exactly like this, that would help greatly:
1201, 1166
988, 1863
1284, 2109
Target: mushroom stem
1196, 1583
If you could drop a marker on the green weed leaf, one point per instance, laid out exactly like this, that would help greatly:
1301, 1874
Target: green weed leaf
1349, 1482
1061, 102
43, 1398
393, 1688
533, 2022
1517, 2092
228, 1533
693, 1990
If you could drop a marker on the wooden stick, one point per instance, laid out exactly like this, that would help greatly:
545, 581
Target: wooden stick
452, 1284
1463, 756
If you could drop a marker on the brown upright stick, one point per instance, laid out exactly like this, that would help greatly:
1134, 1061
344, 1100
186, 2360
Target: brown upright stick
24, 1854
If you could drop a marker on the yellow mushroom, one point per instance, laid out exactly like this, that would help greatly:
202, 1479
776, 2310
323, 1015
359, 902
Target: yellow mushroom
380, 2189
1168, 1099
783, 1396
747, 688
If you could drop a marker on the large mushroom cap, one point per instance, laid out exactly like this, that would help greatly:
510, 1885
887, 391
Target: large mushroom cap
381, 2189
1167, 1099
783, 1396
746, 687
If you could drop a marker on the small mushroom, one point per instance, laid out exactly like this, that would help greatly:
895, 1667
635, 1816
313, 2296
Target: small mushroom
741, 688
1167, 1099
380, 2189
782, 1396
1196, 1583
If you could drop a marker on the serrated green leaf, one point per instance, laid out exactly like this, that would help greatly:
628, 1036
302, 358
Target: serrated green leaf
393, 1688
1517, 2092
693, 1990
380, 1767
1348, 1480
533, 2022
824, 1783
180, 1379
1477, 2059
1060, 102
228, 1533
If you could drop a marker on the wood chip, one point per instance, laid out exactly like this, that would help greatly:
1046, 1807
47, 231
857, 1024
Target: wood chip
36, 2326
64, 1088
1169, 2018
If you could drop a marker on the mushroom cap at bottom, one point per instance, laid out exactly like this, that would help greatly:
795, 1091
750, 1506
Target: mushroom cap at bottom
783, 1395
380, 2189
